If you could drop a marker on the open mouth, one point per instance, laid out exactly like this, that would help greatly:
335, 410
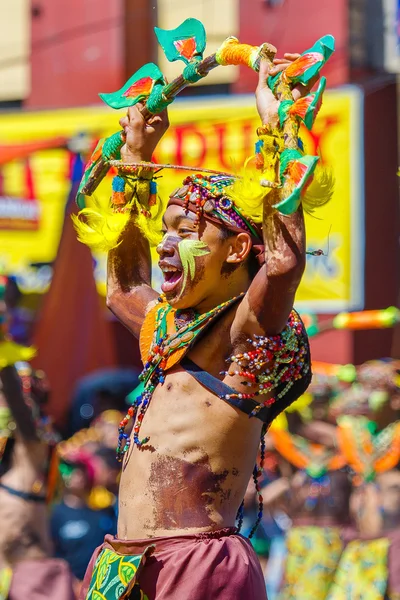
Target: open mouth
172, 277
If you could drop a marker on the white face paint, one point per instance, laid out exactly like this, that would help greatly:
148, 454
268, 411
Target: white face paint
167, 239
160, 246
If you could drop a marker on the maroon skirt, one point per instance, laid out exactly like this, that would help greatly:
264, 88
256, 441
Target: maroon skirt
220, 565
42, 578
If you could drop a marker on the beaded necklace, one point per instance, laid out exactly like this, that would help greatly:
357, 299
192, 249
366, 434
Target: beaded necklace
287, 352
162, 347
257, 473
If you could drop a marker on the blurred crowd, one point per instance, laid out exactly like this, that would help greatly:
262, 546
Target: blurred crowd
63, 493
331, 493
330, 484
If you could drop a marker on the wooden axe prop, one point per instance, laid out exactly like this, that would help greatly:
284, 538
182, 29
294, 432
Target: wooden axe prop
187, 43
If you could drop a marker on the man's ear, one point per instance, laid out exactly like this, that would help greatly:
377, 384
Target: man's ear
239, 248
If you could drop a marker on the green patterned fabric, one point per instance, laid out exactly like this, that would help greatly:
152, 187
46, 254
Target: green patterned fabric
362, 571
115, 576
312, 559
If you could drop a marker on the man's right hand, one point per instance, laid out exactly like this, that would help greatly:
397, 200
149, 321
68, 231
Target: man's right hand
142, 137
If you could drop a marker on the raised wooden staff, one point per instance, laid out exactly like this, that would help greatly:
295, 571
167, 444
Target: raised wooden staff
187, 43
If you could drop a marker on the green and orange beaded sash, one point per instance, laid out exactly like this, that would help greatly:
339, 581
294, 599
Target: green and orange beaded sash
162, 345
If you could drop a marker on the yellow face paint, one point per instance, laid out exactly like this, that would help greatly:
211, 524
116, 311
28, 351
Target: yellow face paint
188, 250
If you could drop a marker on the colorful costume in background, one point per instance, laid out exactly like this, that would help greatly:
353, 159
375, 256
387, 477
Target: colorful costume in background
337, 568
315, 541
10, 352
369, 566
362, 571
41, 578
313, 554
13, 354
180, 566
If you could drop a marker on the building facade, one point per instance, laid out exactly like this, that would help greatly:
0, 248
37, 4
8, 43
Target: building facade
56, 54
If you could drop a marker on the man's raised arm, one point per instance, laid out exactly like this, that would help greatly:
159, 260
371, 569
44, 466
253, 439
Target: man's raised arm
269, 300
129, 291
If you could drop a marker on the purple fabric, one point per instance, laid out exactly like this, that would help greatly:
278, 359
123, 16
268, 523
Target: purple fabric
48, 578
394, 561
221, 565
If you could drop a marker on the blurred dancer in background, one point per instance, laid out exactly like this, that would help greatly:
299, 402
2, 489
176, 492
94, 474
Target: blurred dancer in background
76, 527
28, 475
317, 497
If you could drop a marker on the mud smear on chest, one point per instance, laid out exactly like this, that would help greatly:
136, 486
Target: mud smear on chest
183, 492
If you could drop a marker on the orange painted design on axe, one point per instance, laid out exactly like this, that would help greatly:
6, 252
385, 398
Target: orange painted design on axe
186, 48
300, 107
299, 66
143, 86
296, 171
95, 156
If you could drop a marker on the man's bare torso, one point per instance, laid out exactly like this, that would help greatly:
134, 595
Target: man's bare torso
192, 475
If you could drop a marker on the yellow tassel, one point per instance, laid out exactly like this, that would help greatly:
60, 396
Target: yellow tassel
248, 194
152, 227
10, 353
320, 190
101, 228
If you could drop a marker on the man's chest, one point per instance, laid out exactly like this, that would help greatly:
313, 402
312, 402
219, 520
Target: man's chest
212, 351
183, 400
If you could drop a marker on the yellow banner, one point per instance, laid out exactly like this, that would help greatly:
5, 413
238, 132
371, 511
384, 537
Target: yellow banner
213, 133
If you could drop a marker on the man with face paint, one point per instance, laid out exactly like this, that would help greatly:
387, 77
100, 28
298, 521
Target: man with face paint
220, 345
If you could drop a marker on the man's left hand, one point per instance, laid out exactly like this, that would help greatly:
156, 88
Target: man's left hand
267, 104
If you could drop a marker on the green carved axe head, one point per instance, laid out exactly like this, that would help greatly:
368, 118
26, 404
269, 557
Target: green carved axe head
186, 42
308, 64
139, 87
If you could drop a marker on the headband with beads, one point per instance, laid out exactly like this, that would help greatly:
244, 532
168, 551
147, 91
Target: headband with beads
204, 196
